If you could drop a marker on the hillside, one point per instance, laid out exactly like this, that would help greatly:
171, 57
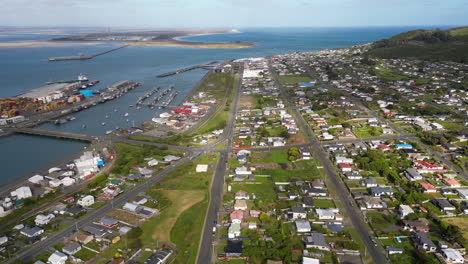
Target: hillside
441, 45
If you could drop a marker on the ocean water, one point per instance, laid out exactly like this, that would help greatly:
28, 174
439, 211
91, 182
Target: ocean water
23, 69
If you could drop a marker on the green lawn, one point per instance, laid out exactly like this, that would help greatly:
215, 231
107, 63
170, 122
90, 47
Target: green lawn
85, 254
264, 191
380, 221
324, 203
451, 126
389, 75
275, 156
367, 132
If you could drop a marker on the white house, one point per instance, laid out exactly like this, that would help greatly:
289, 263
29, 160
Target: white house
88, 200
243, 171
202, 168
23, 192
36, 179
57, 258
132, 207
3, 240
303, 226
43, 219
452, 256
325, 214
234, 230
405, 210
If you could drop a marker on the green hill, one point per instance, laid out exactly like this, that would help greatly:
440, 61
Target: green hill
439, 45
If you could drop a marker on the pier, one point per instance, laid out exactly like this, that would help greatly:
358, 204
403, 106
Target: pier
56, 134
204, 65
84, 57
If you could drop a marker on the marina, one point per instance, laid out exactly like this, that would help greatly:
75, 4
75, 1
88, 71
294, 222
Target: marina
146, 96
153, 103
169, 99
84, 57
203, 65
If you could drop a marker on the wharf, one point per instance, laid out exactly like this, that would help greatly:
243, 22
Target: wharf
56, 134
204, 65
84, 57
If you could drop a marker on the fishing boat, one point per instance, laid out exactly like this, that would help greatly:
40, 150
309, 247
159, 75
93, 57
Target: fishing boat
103, 123
108, 132
126, 114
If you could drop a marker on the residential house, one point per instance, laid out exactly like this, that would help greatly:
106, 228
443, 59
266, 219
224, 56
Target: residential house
108, 221
315, 192
405, 210
57, 258
423, 242
413, 175
373, 202
344, 167
95, 230
353, 175
308, 202
84, 238
318, 184
234, 230
23, 192
316, 240
233, 249
463, 193
377, 192
369, 182
241, 195
255, 213
243, 171
418, 225
86, 201
444, 205
43, 219
240, 205
236, 216
325, 214
452, 255
31, 232
427, 187
72, 248
132, 207
393, 250
451, 182
298, 212
302, 226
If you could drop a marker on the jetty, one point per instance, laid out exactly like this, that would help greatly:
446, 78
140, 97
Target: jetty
56, 134
84, 57
204, 65
169, 99
161, 95
147, 95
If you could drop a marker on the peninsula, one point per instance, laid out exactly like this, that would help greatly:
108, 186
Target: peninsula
158, 38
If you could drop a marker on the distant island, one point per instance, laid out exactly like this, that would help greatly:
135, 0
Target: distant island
158, 38
440, 45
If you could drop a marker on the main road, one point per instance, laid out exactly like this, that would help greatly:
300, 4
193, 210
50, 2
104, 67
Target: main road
352, 211
205, 251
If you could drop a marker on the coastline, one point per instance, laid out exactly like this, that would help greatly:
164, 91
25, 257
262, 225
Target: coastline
172, 42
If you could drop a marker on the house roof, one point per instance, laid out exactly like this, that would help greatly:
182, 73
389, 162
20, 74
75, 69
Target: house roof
427, 186
233, 247
316, 239
72, 247
302, 225
298, 209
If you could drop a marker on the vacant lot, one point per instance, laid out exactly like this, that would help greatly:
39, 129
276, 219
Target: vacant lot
291, 79
460, 222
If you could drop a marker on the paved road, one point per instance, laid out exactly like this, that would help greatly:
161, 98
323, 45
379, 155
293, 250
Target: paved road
353, 213
205, 251
94, 215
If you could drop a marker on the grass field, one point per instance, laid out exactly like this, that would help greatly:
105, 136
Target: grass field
460, 222
452, 126
275, 156
291, 79
324, 203
389, 75
380, 221
367, 132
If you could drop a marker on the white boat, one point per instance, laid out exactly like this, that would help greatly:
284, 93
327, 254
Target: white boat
103, 123
107, 116
115, 109
82, 78
128, 120
108, 132
126, 114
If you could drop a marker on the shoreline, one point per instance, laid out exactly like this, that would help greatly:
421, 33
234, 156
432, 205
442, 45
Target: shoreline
172, 42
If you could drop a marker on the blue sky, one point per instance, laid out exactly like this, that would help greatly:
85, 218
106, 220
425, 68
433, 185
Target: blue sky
232, 13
